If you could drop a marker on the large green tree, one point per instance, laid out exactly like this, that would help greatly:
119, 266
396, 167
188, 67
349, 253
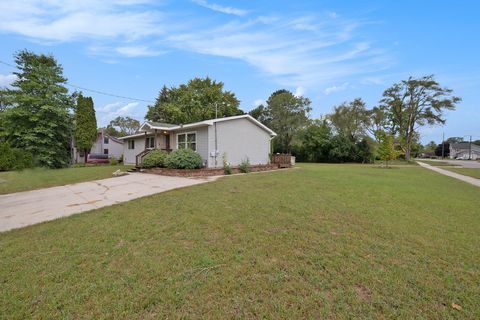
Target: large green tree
85, 123
286, 114
39, 119
200, 99
315, 141
351, 119
414, 103
122, 126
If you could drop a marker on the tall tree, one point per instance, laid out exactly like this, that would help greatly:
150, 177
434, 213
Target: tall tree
286, 114
122, 126
85, 124
351, 119
200, 99
414, 103
39, 118
377, 123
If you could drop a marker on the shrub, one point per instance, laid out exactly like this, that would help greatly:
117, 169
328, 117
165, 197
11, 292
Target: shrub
7, 158
244, 166
113, 161
155, 158
227, 169
14, 159
184, 159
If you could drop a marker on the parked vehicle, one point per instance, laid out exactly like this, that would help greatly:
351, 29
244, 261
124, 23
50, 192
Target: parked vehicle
98, 158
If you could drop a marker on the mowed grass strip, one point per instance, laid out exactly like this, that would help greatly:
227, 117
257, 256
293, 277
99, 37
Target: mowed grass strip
322, 241
439, 163
472, 172
30, 179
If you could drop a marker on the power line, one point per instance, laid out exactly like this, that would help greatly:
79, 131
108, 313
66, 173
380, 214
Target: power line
93, 90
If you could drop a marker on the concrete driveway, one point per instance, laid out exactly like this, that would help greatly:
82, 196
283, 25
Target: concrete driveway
462, 163
26, 208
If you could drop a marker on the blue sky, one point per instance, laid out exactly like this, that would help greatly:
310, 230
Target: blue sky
329, 51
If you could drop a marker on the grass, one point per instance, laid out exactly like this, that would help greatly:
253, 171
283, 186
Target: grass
30, 179
472, 172
322, 241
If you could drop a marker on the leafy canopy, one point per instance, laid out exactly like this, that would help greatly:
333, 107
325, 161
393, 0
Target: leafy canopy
192, 102
85, 123
38, 117
414, 103
122, 126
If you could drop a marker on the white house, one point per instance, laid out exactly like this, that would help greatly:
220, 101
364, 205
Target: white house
464, 150
104, 144
236, 139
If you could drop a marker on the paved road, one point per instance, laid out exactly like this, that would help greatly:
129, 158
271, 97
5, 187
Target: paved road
467, 179
25, 208
463, 163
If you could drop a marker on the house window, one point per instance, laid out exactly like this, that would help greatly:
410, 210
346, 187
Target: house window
105, 140
150, 142
105, 151
131, 144
187, 140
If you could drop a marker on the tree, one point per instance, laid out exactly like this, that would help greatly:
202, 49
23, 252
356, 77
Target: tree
122, 126
315, 141
386, 149
261, 114
85, 124
413, 103
377, 123
351, 119
286, 115
198, 100
38, 119
430, 147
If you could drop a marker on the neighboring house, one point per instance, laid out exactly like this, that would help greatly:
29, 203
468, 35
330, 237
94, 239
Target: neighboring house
236, 138
461, 150
105, 144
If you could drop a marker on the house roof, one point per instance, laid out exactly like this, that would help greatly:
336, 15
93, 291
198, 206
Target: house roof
148, 125
465, 146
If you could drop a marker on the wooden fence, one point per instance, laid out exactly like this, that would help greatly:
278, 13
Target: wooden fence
283, 160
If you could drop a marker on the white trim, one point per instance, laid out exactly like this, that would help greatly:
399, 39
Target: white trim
200, 123
186, 141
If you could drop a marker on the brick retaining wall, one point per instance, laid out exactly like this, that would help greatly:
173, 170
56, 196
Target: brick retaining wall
205, 171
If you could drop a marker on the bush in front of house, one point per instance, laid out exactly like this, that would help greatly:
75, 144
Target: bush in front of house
244, 167
14, 159
184, 159
155, 158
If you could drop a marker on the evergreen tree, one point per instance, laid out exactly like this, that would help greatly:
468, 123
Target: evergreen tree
39, 119
85, 124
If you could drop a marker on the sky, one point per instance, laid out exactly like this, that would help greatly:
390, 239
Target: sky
328, 51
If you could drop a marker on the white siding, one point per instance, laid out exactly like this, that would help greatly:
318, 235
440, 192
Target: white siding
239, 139
130, 154
202, 140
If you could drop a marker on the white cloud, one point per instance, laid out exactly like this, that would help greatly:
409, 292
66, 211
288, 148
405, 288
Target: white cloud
219, 8
258, 102
306, 50
300, 92
333, 89
133, 51
7, 79
117, 109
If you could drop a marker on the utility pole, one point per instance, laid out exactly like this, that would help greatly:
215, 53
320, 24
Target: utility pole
443, 145
470, 149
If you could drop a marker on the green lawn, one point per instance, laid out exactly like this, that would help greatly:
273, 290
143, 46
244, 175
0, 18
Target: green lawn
15, 181
322, 241
472, 172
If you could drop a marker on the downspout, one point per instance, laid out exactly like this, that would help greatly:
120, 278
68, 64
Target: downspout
271, 148
216, 145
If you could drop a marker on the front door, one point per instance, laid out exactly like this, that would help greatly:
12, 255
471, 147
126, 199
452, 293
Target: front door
167, 141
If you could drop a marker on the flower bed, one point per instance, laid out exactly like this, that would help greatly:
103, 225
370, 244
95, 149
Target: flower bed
205, 172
